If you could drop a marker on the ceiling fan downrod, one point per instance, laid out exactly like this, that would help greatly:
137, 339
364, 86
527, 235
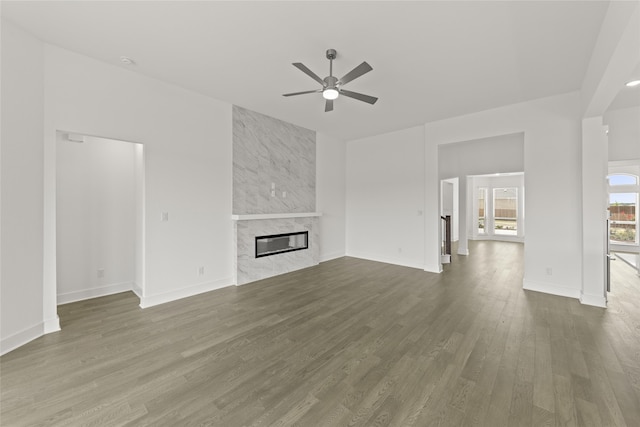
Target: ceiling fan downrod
331, 55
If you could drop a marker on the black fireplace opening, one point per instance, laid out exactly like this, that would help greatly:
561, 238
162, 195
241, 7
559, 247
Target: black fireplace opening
281, 243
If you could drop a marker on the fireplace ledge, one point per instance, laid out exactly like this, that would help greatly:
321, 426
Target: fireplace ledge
274, 216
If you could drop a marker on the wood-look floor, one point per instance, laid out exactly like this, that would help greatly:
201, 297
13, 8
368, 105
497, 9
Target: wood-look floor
347, 343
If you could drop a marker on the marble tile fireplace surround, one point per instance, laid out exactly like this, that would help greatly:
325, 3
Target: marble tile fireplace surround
274, 192
249, 268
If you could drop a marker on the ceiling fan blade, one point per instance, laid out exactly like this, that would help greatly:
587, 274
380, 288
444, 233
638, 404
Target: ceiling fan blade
328, 106
308, 72
355, 73
359, 96
302, 93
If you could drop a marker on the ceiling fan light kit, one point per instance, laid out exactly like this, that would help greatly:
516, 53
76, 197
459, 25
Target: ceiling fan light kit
330, 93
332, 86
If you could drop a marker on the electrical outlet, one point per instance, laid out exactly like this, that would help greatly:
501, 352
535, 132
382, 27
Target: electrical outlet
164, 216
101, 272
200, 271
549, 271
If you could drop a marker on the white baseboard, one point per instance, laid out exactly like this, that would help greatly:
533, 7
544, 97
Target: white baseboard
21, 338
498, 238
84, 294
594, 300
137, 289
550, 288
430, 267
199, 288
52, 325
331, 255
385, 260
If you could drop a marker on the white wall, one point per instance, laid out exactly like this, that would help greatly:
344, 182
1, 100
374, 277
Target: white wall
187, 140
498, 154
624, 133
138, 284
96, 214
331, 195
21, 318
385, 197
552, 141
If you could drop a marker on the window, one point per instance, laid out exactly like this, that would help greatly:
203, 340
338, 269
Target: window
505, 211
623, 221
623, 208
482, 207
622, 179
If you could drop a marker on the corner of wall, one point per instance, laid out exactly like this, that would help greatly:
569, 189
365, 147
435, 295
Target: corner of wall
593, 300
550, 288
21, 338
189, 291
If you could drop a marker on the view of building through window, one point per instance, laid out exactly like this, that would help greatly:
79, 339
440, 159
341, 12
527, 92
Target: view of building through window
482, 206
505, 211
623, 222
623, 208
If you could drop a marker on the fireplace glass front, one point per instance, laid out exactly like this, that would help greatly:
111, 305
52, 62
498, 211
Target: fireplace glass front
280, 243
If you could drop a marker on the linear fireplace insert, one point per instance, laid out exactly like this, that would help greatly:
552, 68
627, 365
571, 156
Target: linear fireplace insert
280, 243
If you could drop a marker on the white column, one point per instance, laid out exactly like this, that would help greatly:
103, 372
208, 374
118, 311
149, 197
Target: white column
463, 238
432, 237
594, 212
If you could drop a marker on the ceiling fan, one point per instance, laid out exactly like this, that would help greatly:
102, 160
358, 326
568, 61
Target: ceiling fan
332, 86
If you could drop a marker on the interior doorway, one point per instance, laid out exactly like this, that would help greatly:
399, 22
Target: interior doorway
449, 213
99, 206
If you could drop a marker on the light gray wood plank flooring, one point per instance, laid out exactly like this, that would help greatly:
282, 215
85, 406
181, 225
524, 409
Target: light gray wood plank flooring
346, 343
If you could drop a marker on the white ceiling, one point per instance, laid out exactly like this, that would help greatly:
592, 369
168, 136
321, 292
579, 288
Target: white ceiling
430, 59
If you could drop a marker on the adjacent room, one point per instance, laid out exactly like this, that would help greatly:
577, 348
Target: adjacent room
320, 213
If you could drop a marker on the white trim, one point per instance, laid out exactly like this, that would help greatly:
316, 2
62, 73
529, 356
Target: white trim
137, 289
274, 216
464, 252
594, 300
84, 294
385, 260
550, 288
331, 255
198, 288
437, 269
52, 325
20, 338
630, 248
498, 238
622, 163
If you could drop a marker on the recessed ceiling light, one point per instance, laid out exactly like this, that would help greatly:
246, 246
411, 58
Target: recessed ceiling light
633, 83
127, 61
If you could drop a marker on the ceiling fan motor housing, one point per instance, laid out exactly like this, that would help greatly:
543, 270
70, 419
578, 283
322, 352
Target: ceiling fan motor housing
330, 82
331, 54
